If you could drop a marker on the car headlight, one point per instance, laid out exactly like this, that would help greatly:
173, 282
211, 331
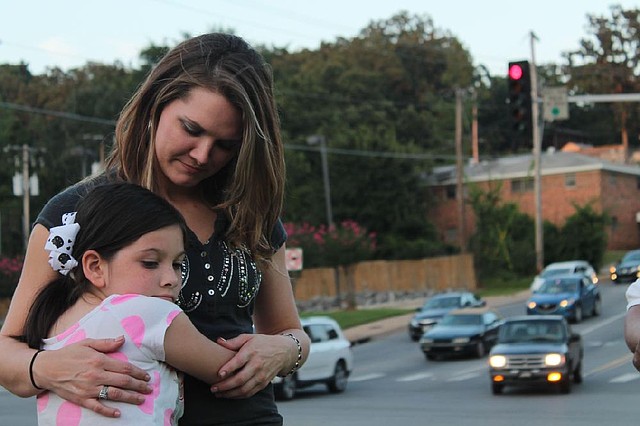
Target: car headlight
424, 340
531, 304
567, 302
460, 340
498, 361
553, 360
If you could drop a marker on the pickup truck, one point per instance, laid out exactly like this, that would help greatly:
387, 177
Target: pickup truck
536, 351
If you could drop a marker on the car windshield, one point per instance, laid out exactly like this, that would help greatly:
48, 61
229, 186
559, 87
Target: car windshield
557, 286
531, 331
555, 272
461, 320
631, 257
442, 302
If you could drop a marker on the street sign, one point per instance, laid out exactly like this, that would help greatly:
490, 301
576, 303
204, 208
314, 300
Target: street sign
555, 103
293, 259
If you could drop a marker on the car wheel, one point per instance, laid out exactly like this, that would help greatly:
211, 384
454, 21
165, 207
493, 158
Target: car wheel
286, 389
577, 374
480, 350
496, 388
597, 307
338, 382
430, 357
577, 316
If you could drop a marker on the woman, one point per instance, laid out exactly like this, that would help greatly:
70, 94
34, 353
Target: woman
202, 131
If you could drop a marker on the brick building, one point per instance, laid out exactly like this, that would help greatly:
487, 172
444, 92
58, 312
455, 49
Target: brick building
566, 179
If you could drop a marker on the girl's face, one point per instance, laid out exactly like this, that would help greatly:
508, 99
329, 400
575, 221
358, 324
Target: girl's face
196, 137
149, 266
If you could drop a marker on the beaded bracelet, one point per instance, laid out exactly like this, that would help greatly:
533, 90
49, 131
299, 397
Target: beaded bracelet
33, 382
297, 364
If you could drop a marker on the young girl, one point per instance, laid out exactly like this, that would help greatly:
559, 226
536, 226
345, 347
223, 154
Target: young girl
120, 259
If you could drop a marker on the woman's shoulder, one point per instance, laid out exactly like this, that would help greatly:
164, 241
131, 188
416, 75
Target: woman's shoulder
67, 199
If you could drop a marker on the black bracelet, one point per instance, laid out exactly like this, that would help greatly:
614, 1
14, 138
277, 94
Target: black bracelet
33, 382
297, 364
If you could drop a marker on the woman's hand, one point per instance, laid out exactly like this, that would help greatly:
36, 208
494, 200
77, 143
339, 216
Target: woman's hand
259, 359
78, 372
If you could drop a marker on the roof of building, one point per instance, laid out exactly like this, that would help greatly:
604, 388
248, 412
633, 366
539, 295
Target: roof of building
522, 166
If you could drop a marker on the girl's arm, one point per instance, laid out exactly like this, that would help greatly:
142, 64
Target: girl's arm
76, 372
188, 350
269, 353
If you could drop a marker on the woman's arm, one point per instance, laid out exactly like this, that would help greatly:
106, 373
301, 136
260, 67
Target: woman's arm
190, 351
76, 372
268, 353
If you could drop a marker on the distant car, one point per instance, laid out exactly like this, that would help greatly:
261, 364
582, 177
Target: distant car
330, 360
565, 268
536, 351
436, 307
572, 296
628, 269
469, 331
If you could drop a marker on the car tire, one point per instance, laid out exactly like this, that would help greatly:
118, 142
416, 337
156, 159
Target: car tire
577, 374
286, 390
430, 357
577, 315
480, 349
597, 307
338, 382
497, 388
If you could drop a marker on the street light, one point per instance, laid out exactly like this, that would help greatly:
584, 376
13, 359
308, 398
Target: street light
322, 142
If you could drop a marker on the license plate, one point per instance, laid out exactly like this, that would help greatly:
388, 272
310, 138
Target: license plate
525, 375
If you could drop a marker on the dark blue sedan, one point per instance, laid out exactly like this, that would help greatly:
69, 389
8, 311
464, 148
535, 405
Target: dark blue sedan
572, 296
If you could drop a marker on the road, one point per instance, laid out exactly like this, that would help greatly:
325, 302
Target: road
393, 384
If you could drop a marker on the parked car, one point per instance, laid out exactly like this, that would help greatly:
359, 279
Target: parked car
536, 351
628, 269
572, 296
436, 307
469, 331
565, 268
330, 360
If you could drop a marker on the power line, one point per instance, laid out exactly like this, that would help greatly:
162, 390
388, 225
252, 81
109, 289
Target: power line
60, 114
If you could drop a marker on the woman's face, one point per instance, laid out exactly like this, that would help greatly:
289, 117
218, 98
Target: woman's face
196, 137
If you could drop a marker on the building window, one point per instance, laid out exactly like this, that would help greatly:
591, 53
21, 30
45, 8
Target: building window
614, 223
451, 236
451, 192
521, 185
570, 180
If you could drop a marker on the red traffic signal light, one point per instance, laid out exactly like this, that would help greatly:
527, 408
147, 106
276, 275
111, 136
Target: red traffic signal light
519, 80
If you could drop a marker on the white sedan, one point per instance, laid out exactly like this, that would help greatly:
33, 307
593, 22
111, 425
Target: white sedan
330, 360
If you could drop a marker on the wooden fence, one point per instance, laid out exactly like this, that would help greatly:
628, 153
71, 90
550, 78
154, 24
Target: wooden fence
385, 276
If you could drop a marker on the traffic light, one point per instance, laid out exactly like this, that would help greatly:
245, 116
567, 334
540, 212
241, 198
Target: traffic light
520, 96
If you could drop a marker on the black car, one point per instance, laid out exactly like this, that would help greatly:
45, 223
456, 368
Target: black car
628, 269
470, 331
536, 351
436, 307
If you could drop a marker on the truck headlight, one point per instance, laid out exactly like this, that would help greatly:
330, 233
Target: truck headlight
553, 360
498, 361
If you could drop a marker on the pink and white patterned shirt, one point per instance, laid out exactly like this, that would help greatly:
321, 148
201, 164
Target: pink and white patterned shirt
143, 321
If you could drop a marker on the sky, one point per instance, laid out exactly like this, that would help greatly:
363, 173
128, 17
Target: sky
68, 33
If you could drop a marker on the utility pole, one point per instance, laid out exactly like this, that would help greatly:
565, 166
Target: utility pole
462, 237
537, 183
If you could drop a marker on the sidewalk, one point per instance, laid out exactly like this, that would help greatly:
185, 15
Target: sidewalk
366, 332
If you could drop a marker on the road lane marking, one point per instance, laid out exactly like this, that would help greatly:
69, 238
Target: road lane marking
611, 365
462, 377
602, 323
625, 378
366, 377
413, 377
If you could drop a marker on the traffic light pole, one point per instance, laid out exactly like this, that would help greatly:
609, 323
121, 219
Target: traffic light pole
535, 134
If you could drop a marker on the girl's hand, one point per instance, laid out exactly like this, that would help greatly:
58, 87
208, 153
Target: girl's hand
259, 359
78, 372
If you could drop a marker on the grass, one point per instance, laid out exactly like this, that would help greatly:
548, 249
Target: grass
351, 318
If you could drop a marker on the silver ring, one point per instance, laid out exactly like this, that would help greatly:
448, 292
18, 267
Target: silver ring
104, 393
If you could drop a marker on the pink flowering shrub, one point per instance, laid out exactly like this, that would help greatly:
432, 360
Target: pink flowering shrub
342, 244
10, 269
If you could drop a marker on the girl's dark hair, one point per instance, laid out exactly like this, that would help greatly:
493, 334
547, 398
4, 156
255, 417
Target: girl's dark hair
111, 217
